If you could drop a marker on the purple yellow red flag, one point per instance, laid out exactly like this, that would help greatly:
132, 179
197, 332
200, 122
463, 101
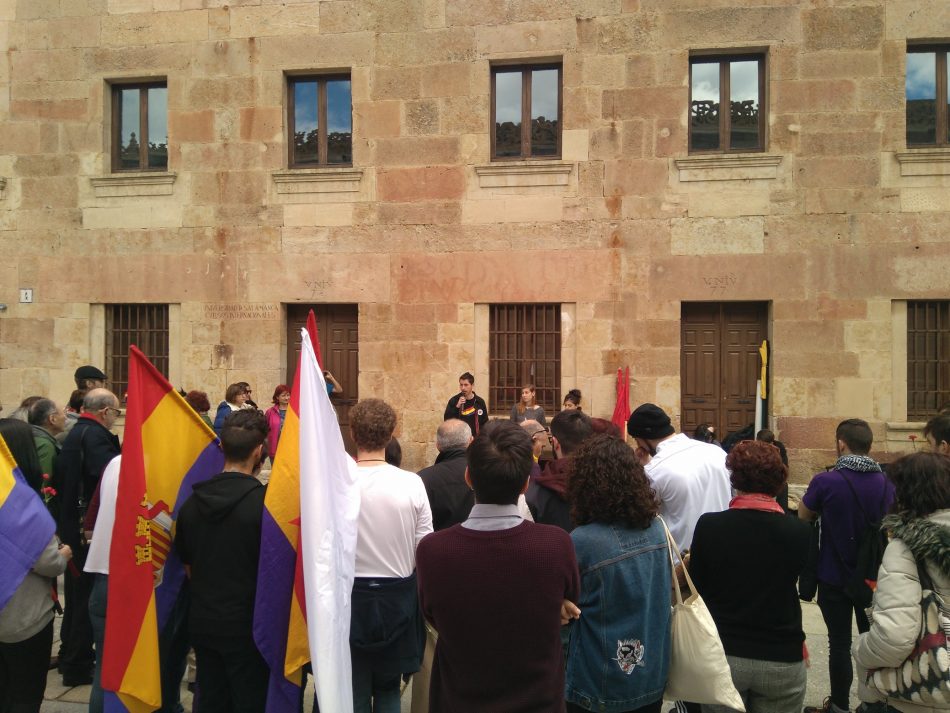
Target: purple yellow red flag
167, 449
26, 526
280, 614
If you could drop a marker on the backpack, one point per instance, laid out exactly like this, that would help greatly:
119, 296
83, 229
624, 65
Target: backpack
872, 540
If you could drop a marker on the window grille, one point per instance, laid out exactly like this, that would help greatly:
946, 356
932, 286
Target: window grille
928, 358
524, 348
145, 326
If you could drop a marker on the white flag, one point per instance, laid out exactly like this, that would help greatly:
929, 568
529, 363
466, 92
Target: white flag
329, 508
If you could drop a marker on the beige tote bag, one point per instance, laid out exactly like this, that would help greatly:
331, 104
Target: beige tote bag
699, 672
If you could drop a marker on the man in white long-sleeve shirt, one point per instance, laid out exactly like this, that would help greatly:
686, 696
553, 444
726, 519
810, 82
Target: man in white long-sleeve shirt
689, 476
387, 637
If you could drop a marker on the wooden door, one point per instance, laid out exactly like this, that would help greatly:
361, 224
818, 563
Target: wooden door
338, 327
720, 363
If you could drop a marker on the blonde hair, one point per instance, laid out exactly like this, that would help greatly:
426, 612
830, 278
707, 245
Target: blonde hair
534, 402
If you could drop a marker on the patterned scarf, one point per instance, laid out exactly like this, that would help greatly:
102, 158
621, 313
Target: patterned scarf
859, 464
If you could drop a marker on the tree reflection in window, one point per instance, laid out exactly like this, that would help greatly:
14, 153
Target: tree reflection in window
736, 82
140, 119
526, 104
321, 121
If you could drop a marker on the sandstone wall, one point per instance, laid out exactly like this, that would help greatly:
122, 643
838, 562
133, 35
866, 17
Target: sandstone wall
832, 224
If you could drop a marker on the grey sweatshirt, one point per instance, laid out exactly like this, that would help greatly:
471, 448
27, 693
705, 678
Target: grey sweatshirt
30, 608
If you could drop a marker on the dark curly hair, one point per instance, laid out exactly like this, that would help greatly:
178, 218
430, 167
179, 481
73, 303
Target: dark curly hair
608, 485
198, 400
372, 422
756, 467
922, 484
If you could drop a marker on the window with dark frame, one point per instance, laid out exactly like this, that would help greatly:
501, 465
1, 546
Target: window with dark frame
928, 358
526, 111
524, 348
140, 127
734, 81
320, 121
145, 326
925, 90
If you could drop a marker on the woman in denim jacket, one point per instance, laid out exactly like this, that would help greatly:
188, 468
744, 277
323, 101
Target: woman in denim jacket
619, 649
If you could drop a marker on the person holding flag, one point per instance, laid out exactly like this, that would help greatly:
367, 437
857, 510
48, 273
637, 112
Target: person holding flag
30, 560
167, 450
308, 547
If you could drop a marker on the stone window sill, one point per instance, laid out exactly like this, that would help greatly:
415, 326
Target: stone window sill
318, 180
924, 162
898, 435
118, 185
521, 174
728, 167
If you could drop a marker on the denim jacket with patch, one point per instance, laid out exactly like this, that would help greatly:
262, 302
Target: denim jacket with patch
618, 654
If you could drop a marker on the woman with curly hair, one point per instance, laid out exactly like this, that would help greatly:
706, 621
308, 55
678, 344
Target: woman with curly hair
919, 551
754, 542
624, 627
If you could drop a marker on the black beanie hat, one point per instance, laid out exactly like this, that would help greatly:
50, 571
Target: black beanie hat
649, 422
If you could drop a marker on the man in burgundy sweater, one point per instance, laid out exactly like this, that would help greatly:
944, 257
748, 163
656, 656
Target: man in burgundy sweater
493, 587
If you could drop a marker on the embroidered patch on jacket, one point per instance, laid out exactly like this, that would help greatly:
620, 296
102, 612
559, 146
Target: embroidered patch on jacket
629, 655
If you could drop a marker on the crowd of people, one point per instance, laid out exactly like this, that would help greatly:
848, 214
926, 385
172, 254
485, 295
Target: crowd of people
530, 568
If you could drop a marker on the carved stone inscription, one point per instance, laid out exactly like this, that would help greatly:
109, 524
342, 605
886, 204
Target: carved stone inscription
242, 310
719, 284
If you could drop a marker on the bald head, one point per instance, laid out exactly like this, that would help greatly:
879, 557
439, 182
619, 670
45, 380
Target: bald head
453, 434
537, 433
102, 405
98, 399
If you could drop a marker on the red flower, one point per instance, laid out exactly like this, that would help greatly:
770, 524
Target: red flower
912, 437
45, 476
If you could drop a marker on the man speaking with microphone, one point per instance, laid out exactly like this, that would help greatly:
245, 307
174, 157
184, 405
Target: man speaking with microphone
467, 405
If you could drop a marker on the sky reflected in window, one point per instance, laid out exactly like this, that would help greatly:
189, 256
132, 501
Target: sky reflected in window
508, 97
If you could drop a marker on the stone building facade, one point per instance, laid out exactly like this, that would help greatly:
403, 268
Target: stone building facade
830, 229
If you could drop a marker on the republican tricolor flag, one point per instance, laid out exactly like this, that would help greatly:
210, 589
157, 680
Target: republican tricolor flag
167, 449
308, 548
26, 526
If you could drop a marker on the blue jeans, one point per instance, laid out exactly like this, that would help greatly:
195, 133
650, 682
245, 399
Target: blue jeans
374, 692
97, 618
766, 686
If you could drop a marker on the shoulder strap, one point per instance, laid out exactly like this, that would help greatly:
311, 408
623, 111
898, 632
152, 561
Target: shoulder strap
858, 500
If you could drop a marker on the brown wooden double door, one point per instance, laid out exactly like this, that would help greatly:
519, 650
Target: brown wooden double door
720, 363
338, 327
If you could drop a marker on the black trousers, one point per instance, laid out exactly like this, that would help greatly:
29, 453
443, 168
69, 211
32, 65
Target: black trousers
76, 657
836, 609
23, 668
232, 674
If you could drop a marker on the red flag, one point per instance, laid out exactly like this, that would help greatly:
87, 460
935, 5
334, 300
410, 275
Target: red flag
622, 409
314, 337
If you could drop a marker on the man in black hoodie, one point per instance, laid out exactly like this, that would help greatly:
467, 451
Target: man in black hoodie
219, 538
547, 493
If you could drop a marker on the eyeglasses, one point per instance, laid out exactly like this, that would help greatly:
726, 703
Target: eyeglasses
116, 411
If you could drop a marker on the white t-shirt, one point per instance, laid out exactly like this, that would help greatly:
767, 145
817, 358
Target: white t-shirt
690, 479
97, 560
394, 516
